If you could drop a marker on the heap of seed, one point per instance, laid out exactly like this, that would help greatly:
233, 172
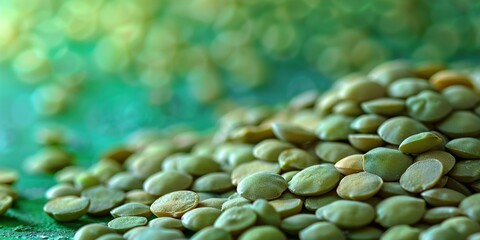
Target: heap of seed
8, 195
392, 155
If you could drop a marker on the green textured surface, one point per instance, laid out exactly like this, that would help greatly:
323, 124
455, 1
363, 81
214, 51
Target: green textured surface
99, 118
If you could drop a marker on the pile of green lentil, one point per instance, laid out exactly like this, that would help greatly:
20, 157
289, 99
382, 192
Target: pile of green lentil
391, 155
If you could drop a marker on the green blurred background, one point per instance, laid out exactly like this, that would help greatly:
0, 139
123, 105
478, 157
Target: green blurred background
102, 69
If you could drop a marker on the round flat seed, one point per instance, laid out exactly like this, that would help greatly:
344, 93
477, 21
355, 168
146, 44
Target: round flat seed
165, 182
462, 225
359, 186
406, 87
124, 181
49, 160
390, 189
420, 143
68, 208
466, 171
266, 214
365, 142
322, 230
235, 220
334, 151
386, 73
292, 133
139, 196
92, 231
446, 78
365, 233
367, 123
334, 127
314, 203
384, 106
439, 214
102, 200
401, 232
175, 204
350, 165
447, 160
470, 123
314, 180
212, 202
8, 176
131, 209
468, 148
296, 223
397, 129
197, 165
6, 202
61, 190
212, 233
235, 202
293, 159
362, 90
287, 207
263, 185
123, 224
422, 175
304, 100
200, 218
400, 210
439, 232
68, 174
213, 182
111, 236
389, 164
86, 180
470, 201
442, 197
263, 233
166, 222
461, 97
428, 106
348, 214
246, 169
348, 108
270, 149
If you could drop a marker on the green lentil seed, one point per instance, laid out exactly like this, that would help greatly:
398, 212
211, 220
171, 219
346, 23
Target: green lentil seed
397, 129
420, 143
68, 208
266, 214
322, 230
235, 220
359, 186
262, 185
200, 218
165, 182
212, 233
213, 183
464, 147
293, 159
270, 149
348, 214
102, 200
175, 204
263, 233
400, 210
422, 175
367, 123
294, 224
470, 123
123, 224
442, 197
293, 134
334, 151
314, 180
384, 106
166, 222
334, 127
131, 209
61, 190
401, 232
92, 231
389, 164
428, 106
